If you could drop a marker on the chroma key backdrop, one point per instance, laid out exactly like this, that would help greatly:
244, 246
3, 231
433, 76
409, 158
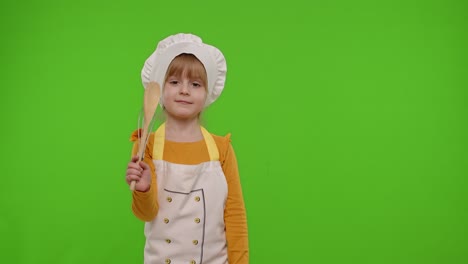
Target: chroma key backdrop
349, 120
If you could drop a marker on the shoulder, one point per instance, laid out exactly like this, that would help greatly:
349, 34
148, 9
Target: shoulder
135, 135
223, 143
135, 138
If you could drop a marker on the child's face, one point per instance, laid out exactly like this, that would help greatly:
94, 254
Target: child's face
184, 98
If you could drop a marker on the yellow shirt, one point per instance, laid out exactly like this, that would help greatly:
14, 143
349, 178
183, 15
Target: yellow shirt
145, 205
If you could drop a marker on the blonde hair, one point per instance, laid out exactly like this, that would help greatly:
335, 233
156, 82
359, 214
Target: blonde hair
187, 65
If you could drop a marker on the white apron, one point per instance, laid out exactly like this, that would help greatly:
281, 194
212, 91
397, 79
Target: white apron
189, 227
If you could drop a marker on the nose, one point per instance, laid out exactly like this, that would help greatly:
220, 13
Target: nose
184, 89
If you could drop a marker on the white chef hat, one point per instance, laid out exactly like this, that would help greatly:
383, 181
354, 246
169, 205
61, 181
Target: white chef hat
212, 59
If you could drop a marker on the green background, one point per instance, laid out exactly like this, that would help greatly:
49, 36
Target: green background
349, 120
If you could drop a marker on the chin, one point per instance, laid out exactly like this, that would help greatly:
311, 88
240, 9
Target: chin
184, 115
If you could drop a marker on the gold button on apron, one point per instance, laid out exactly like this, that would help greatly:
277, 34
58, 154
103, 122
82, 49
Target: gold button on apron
195, 242
197, 198
193, 262
168, 241
166, 220
168, 261
197, 220
169, 199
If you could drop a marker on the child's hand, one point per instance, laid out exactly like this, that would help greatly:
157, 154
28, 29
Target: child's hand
139, 172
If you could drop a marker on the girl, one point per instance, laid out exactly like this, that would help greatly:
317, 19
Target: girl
188, 189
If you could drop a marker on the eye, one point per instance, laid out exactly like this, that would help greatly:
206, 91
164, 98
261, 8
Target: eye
197, 84
173, 82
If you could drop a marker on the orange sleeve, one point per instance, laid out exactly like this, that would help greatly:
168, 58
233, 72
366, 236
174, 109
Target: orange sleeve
234, 214
145, 204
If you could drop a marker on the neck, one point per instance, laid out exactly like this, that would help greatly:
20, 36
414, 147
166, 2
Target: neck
185, 130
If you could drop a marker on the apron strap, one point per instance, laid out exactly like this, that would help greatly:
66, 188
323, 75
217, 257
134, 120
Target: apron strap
158, 145
160, 137
210, 144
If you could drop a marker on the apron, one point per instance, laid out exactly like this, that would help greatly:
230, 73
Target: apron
189, 227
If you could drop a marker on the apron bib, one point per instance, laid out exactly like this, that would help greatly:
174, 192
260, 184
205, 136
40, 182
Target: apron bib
189, 226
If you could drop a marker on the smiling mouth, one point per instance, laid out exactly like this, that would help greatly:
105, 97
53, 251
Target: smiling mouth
182, 102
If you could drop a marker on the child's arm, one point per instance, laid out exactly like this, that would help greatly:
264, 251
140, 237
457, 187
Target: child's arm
234, 214
145, 204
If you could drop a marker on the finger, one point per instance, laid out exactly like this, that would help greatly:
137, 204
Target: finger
134, 166
135, 158
136, 172
131, 178
144, 165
